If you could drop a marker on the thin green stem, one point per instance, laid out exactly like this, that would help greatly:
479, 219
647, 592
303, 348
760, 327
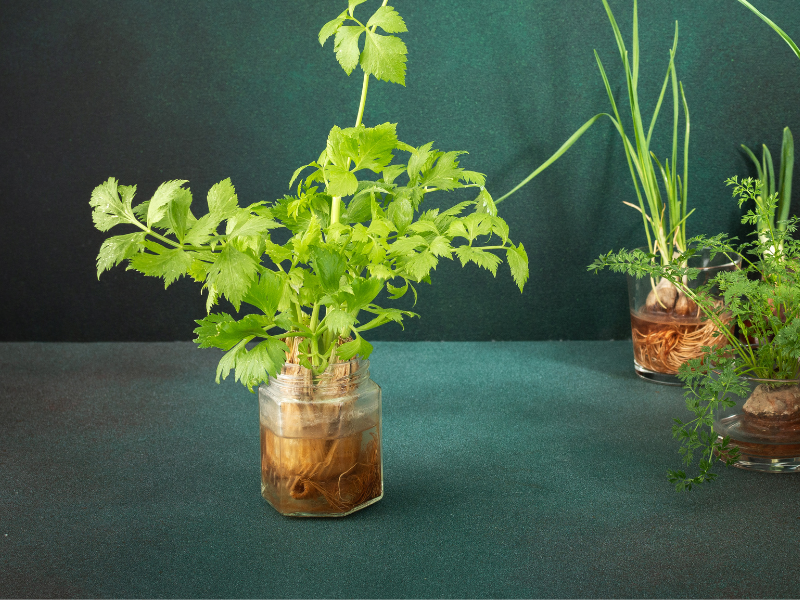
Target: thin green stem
166, 240
363, 101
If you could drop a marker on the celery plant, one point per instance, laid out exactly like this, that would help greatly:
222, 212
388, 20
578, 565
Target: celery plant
354, 226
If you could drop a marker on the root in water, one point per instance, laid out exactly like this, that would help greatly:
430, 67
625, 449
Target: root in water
663, 342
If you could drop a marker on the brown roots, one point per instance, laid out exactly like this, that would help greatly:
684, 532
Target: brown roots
662, 344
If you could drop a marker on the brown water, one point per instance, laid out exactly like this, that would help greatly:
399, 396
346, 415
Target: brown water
321, 476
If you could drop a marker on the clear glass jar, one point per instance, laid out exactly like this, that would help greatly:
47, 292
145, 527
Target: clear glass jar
765, 426
321, 440
666, 326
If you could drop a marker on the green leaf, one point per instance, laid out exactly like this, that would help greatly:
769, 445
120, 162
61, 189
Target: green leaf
407, 245
423, 226
412, 193
346, 46
397, 292
500, 228
300, 170
483, 259
107, 208
445, 173
230, 333
339, 321
266, 292
358, 346
401, 214
276, 253
206, 331
485, 204
457, 229
330, 28
419, 158
179, 215
245, 224
341, 182
375, 145
127, 193
116, 249
381, 272
478, 224
775, 28
229, 360
387, 19
329, 265
169, 264
473, 177
420, 265
198, 270
518, 263
166, 192
222, 200
232, 273
383, 315
440, 246
391, 173
265, 359
341, 146
364, 292
384, 57
351, 5
358, 209
201, 230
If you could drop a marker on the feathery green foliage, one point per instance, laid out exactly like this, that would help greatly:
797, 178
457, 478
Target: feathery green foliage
354, 223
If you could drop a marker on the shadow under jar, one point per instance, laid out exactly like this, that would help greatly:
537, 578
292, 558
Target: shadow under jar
765, 426
321, 440
667, 328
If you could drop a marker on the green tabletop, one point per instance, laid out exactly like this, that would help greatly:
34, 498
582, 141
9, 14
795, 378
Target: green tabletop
512, 469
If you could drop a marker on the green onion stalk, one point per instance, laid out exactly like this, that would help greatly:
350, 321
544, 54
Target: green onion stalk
781, 187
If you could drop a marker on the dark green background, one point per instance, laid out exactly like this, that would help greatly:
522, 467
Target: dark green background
147, 91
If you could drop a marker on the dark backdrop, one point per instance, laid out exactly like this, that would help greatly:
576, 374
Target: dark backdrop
151, 90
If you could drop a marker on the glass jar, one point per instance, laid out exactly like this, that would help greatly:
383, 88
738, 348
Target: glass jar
321, 440
765, 426
667, 328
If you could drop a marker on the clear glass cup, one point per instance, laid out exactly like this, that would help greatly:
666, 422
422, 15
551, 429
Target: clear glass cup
765, 426
321, 440
666, 327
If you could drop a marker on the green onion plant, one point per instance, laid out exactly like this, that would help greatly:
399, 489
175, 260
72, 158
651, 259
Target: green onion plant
781, 187
661, 187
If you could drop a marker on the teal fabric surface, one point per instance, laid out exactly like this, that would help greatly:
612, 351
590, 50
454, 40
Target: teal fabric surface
512, 469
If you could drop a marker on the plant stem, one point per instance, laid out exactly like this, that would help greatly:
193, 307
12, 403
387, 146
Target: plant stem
363, 101
166, 240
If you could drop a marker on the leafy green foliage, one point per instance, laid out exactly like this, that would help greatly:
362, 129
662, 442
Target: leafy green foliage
759, 316
354, 227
